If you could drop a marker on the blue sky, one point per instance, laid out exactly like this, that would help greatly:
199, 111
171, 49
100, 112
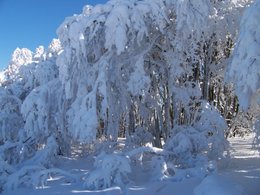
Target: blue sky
30, 23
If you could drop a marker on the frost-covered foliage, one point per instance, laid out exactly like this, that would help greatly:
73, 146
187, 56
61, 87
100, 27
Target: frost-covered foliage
40, 109
22, 160
35, 176
28, 70
21, 142
244, 69
213, 125
139, 138
20, 57
45, 157
11, 120
202, 140
159, 168
107, 93
98, 42
147, 71
34, 170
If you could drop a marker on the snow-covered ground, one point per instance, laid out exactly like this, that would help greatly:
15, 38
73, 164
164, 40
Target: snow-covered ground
244, 167
241, 175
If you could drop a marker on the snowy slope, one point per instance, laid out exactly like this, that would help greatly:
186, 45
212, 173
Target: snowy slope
241, 175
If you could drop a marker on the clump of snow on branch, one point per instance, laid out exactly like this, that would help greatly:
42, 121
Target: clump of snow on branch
138, 82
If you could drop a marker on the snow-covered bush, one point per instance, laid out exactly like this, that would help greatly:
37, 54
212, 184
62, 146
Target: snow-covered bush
35, 176
22, 178
45, 157
159, 168
139, 138
213, 126
110, 170
27, 170
193, 147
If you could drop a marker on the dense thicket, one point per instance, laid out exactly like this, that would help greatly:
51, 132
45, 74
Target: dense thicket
151, 72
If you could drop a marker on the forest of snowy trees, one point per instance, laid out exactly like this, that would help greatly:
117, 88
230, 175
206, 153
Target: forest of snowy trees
128, 81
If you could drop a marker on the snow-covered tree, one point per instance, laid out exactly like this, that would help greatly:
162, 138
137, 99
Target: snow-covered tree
20, 139
149, 68
244, 69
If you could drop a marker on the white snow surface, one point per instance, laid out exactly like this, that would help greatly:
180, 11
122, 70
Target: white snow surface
239, 176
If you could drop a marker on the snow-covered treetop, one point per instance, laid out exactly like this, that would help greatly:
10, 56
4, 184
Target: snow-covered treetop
39, 51
28, 69
116, 18
54, 47
21, 56
123, 21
